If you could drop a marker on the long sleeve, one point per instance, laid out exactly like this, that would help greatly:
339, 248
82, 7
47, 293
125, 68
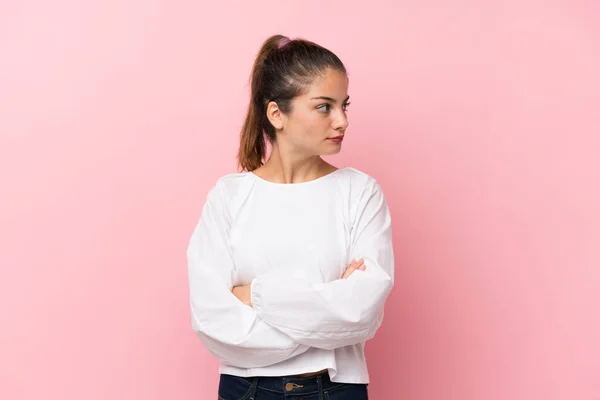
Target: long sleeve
344, 311
229, 329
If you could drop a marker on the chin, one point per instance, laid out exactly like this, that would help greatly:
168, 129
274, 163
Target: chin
329, 152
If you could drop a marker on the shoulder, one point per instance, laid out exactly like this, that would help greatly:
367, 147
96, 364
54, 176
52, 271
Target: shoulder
233, 182
229, 191
357, 182
361, 192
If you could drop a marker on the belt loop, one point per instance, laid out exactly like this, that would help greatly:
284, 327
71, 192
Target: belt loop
253, 388
320, 384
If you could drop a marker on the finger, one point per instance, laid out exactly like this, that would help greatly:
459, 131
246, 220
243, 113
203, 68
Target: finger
348, 272
356, 263
351, 268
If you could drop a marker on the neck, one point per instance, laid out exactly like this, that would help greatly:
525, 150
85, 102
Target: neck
292, 167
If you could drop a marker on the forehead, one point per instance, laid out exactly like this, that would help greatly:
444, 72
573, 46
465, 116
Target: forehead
332, 83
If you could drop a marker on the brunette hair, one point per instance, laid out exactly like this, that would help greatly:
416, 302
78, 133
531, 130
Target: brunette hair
282, 70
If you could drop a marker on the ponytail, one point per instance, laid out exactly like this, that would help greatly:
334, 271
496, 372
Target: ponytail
253, 146
252, 141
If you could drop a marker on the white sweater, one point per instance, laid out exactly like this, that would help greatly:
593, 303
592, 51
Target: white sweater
292, 243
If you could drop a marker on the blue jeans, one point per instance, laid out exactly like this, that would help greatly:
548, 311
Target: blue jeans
317, 387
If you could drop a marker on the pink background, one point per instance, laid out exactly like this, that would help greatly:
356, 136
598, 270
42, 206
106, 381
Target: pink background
479, 118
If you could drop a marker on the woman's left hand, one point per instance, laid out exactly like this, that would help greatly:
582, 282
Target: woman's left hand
243, 294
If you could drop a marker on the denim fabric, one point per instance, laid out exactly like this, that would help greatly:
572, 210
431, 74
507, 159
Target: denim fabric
317, 387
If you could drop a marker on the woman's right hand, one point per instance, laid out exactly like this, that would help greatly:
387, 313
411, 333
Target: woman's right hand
354, 265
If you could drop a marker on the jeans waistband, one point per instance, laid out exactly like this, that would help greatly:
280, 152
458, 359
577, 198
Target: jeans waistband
292, 384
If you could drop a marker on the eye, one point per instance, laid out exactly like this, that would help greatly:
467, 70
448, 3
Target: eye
345, 106
325, 108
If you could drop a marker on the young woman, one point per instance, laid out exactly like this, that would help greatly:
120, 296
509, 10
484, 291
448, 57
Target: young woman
291, 261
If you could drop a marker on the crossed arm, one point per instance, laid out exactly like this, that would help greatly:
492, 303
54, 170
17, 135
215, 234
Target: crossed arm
243, 292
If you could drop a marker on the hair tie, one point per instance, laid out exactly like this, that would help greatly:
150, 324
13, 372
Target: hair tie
283, 42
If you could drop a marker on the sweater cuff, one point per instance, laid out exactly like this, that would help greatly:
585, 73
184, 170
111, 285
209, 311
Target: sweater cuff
254, 294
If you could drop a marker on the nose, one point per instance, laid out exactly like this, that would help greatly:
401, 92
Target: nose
341, 121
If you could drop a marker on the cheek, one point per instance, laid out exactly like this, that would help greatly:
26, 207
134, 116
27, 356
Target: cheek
308, 127
316, 125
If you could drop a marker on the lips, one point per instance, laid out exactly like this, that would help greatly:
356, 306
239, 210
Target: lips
337, 139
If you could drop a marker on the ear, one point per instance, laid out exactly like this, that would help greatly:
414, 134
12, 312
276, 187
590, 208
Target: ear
275, 115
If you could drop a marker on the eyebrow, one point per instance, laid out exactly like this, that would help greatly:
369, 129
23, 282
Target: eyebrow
331, 99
